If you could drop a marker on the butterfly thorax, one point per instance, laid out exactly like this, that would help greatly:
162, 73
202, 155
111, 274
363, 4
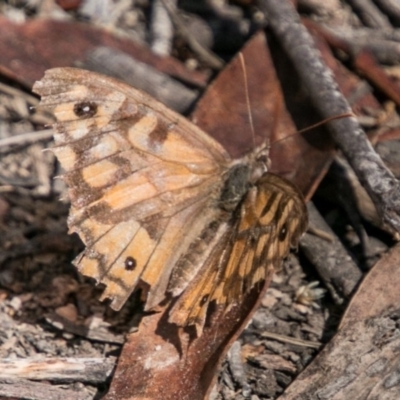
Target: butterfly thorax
242, 174
235, 186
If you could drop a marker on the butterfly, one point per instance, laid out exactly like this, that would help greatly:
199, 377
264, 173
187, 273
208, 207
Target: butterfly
160, 204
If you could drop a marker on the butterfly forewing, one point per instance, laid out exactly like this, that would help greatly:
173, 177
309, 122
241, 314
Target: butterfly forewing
158, 201
131, 164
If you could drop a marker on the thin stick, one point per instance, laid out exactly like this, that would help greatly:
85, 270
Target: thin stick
291, 340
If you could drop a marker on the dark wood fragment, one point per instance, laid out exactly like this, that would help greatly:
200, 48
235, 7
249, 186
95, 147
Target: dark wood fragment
333, 263
98, 333
162, 29
370, 14
383, 43
92, 370
391, 8
29, 390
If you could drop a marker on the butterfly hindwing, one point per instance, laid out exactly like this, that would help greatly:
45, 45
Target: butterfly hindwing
267, 223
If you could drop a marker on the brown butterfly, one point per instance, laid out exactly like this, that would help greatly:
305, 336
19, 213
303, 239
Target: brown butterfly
160, 204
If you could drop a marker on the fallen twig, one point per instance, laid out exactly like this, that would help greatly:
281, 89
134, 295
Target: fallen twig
391, 7
370, 14
58, 369
28, 390
162, 32
27, 138
336, 268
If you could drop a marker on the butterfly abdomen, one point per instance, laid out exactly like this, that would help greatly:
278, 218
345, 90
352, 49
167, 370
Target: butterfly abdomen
198, 254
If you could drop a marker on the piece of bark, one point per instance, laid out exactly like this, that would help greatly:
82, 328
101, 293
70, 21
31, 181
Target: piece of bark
61, 370
273, 362
361, 362
100, 334
28, 390
377, 179
162, 29
334, 265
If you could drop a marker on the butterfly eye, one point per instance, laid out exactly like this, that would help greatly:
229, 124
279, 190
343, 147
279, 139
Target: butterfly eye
130, 263
85, 109
263, 159
283, 233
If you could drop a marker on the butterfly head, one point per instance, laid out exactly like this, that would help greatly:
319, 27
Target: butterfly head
259, 161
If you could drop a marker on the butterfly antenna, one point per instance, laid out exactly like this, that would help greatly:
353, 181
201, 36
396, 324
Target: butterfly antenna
309, 128
246, 91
